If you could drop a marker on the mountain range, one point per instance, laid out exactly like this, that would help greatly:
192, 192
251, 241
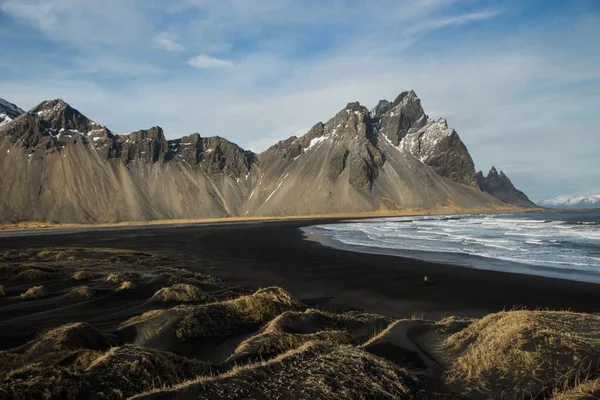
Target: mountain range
58, 165
574, 202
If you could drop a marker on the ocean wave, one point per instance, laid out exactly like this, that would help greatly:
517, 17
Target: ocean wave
559, 241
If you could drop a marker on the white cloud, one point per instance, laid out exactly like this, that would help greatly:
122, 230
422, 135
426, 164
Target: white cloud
165, 42
205, 61
83, 23
456, 20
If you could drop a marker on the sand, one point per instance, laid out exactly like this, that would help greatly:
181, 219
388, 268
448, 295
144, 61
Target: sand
305, 332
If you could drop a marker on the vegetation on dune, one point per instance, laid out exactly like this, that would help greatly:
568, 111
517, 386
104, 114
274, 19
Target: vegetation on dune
64, 340
227, 318
81, 293
312, 321
119, 373
182, 293
270, 343
34, 293
523, 354
32, 274
121, 277
587, 390
82, 275
316, 370
127, 285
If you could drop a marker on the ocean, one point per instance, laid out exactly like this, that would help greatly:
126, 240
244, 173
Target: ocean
560, 244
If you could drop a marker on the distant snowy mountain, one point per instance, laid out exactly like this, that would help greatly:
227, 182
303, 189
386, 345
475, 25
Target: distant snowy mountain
8, 112
585, 201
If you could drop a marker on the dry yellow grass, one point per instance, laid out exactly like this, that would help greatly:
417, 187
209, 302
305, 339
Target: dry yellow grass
588, 390
34, 293
138, 319
272, 343
117, 374
127, 285
228, 317
182, 293
32, 274
83, 275
316, 370
65, 339
311, 321
81, 293
121, 277
521, 354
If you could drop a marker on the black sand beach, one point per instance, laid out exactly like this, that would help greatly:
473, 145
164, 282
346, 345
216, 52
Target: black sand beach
114, 313
254, 255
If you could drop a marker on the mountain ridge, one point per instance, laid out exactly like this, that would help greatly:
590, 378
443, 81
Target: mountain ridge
573, 202
391, 157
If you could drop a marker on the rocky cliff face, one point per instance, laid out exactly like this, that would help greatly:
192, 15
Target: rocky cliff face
499, 186
66, 167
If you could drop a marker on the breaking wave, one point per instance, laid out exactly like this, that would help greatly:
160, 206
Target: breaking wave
560, 244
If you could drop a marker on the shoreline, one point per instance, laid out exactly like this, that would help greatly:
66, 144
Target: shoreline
49, 226
276, 254
459, 260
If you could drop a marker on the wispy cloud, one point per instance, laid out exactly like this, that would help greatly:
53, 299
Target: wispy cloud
165, 42
205, 61
456, 20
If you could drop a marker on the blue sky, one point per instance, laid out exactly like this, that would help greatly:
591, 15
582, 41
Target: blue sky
518, 80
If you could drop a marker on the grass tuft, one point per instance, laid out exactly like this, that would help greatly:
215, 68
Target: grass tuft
522, 354
182, 293
34, 293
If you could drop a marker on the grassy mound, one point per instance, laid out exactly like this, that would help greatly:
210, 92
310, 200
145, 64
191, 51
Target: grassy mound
121, 277
126, 285
314, 371
34, 274
34, 293
119, 373
217, 320
43, 382
81, 293
83, 275
269, 344
64, 340
129, 370
524, 353
182, 293
361, 325
588, 390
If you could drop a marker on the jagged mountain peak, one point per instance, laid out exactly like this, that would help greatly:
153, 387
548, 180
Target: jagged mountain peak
500, 186
402, 116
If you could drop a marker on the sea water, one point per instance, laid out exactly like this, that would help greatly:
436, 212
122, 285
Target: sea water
554, 244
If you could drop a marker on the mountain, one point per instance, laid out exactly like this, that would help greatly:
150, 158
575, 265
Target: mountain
8, 112
500, 186
574, 202
58, 165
